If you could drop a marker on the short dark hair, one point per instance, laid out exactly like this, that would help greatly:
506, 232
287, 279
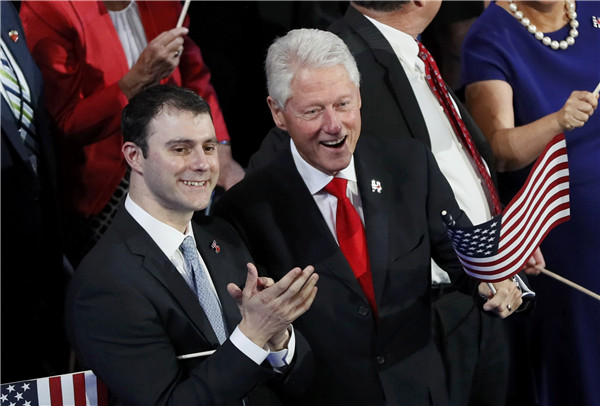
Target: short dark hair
149, 103
385, 6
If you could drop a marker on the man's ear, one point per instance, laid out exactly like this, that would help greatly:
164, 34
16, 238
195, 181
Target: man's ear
277, 114
133, 155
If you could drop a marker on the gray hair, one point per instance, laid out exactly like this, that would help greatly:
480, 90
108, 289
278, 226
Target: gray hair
304, 48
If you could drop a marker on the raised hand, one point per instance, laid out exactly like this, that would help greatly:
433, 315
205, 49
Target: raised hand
269, 308
157, 61
577, 110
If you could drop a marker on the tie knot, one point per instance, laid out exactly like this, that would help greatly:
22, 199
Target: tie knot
187, 246
337, 187
424, 53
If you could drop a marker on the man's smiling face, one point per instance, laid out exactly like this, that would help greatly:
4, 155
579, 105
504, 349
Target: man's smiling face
322, 116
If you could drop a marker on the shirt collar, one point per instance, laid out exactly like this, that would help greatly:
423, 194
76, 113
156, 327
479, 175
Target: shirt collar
404, 45
314, 179
166, 237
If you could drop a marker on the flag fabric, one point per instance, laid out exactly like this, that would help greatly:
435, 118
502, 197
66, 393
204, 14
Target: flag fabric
499, 248
76, 389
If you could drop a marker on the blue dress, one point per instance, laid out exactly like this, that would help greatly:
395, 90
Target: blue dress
565, 346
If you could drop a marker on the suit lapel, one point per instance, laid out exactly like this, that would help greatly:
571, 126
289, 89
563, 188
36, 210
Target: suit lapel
157, 264
396, 77
19, 52
376, 209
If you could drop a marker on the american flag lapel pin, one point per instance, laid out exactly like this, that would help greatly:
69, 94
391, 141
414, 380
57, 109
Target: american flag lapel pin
376, 186
215, 246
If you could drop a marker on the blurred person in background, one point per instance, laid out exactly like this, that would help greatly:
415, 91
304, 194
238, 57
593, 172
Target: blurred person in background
33, 277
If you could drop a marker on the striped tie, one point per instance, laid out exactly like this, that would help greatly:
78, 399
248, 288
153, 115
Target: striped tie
17, 95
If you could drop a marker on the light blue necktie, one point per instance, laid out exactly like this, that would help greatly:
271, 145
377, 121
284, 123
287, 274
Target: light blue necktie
202, 287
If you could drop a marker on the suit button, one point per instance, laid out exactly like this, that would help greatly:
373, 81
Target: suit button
380, 359
363, 310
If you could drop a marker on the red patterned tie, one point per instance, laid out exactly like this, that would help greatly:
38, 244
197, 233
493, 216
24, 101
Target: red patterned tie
352, 240
437, 85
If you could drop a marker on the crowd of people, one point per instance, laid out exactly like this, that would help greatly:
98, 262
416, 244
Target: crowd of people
308, 263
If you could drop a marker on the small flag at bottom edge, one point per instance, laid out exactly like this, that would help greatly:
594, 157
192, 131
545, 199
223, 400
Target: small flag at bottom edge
76, 389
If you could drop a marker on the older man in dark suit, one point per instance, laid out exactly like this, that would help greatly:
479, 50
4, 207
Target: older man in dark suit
153, 308
366, 213
397, 101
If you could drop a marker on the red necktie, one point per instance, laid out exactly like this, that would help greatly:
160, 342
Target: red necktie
352, 240
437, 85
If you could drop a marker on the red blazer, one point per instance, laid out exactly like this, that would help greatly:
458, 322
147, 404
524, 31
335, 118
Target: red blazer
81, 58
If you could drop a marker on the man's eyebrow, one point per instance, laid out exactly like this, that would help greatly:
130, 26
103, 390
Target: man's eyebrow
189, 141
179, 141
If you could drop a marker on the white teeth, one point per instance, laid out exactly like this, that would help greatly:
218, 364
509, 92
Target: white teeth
193, 183
334, 142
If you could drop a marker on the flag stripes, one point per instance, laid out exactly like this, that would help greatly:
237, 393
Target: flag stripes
541, 204
76, 389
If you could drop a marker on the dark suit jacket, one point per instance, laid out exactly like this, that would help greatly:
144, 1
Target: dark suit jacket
32, 285
360, 361
130, 313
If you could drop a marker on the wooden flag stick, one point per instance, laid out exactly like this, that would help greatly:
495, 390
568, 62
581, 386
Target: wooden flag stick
597, 90
183, 13
571, 284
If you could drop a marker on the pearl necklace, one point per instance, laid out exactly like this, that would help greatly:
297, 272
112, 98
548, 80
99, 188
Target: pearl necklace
564, 44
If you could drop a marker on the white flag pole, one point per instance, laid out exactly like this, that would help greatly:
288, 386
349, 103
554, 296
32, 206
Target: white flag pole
183, 13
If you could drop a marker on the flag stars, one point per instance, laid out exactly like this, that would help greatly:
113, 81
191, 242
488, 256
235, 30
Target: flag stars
10, 388
3, 398
19, 396
27, 403
25, 387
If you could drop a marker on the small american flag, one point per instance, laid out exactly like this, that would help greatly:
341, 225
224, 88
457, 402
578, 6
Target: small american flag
499, 248
77, 389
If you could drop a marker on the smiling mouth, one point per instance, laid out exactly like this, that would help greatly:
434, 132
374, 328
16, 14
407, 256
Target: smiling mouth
194, 183
334, 143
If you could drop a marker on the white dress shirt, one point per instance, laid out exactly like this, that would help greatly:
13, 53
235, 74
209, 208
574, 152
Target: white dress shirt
452, 157
316, 180
128, 24
168, 240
